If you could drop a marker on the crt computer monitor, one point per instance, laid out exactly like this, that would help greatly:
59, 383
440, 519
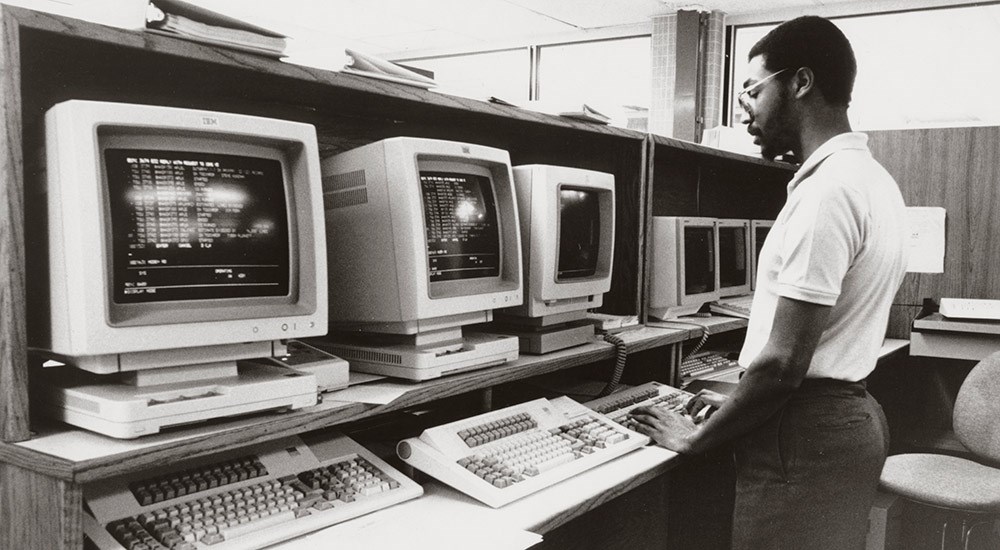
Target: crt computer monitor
734, 257
684, 265
758, 233
423, 239
179, 242
567, 235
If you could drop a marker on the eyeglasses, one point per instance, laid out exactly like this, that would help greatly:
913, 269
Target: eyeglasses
744, 95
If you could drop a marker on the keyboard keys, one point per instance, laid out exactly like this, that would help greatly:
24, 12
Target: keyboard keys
229, 514
705, 363
491, 431
529, 454
565, 439
162, 488
653, 394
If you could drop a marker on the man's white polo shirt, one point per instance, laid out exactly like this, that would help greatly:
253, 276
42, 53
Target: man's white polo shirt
841, 241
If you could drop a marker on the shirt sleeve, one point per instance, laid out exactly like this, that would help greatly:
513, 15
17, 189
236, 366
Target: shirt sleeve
823, 236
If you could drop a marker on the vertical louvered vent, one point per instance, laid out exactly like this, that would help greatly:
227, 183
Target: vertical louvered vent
343, 190
370, 356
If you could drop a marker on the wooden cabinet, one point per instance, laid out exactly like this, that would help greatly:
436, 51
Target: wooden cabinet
46, 59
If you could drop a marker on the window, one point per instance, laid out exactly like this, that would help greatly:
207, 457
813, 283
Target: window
918, 69
612, 76
503, 74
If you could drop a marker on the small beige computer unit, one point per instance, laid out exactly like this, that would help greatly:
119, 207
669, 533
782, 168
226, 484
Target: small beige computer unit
423, 239
179, 243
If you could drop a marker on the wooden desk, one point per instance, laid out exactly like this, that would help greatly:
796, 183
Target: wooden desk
59, 460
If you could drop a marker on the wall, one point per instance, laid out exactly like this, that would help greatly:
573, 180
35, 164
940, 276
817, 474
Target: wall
958, 169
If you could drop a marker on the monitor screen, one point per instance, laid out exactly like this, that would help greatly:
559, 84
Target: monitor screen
760, 234
733, 265
579, 233
196, 226
460, 219
699, 260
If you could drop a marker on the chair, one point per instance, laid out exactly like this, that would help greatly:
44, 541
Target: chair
969, 489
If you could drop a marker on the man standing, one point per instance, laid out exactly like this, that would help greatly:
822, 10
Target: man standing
810, 442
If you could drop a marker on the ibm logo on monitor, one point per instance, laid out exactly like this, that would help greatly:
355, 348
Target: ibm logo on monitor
209, 121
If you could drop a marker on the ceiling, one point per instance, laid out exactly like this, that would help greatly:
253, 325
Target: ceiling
398, 29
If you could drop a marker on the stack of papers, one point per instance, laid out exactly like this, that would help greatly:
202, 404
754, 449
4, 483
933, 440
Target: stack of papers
363, 64
181, 19
578, 111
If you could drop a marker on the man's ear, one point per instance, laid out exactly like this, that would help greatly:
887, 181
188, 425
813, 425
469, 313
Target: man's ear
804, 82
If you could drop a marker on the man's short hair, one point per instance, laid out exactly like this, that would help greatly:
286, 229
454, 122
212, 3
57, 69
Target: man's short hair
813, 42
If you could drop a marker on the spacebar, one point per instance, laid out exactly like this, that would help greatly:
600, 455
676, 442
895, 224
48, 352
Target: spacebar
242, 529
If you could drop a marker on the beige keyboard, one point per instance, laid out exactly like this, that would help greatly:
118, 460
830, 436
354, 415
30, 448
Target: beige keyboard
245, 500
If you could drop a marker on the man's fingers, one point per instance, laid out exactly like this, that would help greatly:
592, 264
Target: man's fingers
655, 412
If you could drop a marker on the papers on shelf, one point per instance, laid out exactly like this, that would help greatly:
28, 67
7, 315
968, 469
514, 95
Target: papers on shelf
373, 393
181, 19
575, 110
363, 64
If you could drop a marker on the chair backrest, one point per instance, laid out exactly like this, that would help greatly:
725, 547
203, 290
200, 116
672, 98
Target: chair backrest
977, 409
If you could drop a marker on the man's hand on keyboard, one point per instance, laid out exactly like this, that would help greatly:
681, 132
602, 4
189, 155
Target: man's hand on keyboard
669, 429
704, 403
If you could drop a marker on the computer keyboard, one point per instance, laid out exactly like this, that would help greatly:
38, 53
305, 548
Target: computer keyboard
651, 394
968, 308
244, 500
704, 363
737, 306
500, 456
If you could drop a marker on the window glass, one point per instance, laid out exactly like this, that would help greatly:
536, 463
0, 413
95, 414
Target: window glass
503, 74
919, 69
612, 76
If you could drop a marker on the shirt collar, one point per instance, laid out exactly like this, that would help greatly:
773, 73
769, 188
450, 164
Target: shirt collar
840, 142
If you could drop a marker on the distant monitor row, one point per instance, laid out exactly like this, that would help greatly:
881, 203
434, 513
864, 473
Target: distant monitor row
181, 243
427, 236
695, 260
443, 224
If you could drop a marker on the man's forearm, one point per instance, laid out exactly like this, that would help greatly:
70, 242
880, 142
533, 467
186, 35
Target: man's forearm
764, 388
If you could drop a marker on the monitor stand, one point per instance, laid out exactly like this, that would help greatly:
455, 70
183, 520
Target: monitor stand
673, 312
546, 334
422, 356
129, 405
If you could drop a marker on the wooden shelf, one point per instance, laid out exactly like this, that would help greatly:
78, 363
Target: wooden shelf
82, 456
715, 324
80, 37
719, 153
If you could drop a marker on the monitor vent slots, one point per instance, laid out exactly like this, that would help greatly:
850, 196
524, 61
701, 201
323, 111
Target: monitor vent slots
342, 182
370, 356
344, 190
354, 197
